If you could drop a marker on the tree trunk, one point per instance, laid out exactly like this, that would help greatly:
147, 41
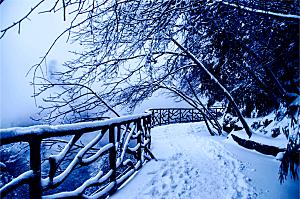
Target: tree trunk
227, 94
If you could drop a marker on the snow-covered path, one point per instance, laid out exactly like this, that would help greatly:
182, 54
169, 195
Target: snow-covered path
191, 164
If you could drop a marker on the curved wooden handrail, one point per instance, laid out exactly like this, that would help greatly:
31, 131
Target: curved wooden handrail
25, 134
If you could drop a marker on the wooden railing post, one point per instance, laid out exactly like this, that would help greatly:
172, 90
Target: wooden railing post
168, 116
112, 157
192, 115
153, 119
139, 129
35, 166
149, 130
159, 117
180, 115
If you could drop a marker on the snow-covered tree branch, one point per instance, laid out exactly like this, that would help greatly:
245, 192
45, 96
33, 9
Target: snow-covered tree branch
244, 54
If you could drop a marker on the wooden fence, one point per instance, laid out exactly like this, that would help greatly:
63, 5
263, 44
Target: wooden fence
114, 149
164, 116
122, 142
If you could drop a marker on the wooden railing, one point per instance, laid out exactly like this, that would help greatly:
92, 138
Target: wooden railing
164, 116
61, 156
117, 149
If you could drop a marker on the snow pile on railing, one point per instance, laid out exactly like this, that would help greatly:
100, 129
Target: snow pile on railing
44, 131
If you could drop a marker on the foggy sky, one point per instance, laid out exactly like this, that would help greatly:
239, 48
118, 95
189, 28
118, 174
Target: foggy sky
18, 52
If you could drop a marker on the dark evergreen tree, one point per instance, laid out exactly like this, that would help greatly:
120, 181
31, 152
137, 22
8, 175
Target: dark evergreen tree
247, 51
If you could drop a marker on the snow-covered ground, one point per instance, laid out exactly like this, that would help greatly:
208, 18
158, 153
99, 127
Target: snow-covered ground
193, 164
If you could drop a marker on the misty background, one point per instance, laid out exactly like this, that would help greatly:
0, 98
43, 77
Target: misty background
18, 52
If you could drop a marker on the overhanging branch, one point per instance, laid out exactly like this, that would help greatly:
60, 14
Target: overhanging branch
214, 79
290, 16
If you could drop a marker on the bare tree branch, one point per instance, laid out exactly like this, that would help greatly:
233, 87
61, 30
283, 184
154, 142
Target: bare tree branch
3, 31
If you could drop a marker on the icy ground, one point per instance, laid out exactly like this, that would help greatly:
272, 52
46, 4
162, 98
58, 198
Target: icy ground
192, 164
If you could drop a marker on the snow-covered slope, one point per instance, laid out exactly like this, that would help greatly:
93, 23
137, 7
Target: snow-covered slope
192, 164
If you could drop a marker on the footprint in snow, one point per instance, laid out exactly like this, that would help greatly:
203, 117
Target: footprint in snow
164, 173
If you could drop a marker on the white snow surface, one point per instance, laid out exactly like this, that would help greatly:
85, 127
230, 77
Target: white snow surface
193, 164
